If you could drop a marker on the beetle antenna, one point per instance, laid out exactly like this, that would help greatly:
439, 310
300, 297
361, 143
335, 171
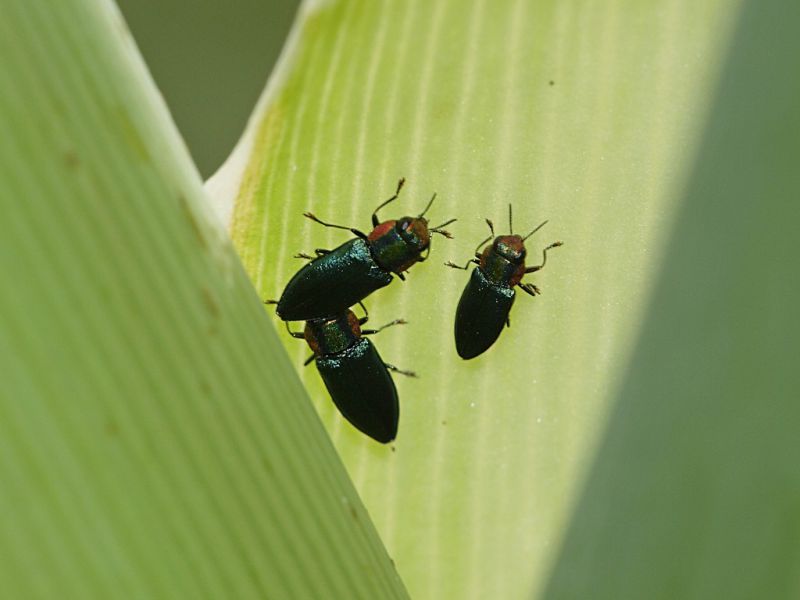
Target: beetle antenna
400, 184
534, 231
491, 227
428, 206
438, 229
510, 226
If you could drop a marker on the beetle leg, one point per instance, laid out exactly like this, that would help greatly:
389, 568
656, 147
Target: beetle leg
396, 370
530, 289
478, 247
508, 321
294, 334
365, 318
400, 183
374, 331
318, 251
544, 258
270, 301
353, 230
309, 360
465, 267
401, 276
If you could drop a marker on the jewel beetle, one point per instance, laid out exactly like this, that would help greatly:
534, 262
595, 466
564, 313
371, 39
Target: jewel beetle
337, 279
353, 372
487, 299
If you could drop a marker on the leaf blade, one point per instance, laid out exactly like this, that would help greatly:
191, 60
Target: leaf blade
458, 99
155, 440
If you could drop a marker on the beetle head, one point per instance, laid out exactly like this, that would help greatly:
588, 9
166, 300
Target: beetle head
510, 247
414, 232
397, 245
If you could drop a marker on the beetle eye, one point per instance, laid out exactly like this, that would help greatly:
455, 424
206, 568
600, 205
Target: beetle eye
406, 231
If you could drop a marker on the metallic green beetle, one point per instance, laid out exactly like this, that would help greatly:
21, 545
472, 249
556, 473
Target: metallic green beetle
337, 279
486, 301
353, 372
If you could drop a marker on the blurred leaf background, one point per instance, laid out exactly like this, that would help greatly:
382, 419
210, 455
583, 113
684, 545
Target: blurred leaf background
669, 315
145, 451
210, 59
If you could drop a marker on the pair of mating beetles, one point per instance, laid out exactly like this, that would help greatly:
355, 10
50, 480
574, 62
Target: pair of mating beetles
322, 292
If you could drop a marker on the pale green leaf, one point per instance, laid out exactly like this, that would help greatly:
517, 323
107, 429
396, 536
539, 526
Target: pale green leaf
696, 489
154, 440
586, 114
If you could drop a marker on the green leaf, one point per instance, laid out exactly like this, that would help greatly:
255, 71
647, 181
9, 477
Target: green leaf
154, 440
695, 492
588, 115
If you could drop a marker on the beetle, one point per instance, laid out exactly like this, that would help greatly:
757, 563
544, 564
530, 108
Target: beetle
339, 278
353, 372
487, 299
